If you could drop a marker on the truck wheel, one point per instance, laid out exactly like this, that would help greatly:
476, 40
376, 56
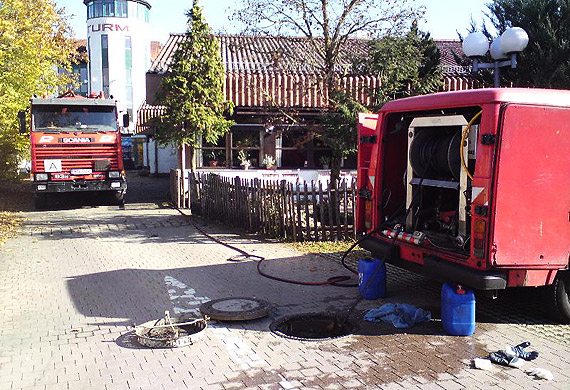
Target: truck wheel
118, 198
561, 297
40, 201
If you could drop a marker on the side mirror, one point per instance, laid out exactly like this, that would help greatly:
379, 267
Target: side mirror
22, 118
126, 120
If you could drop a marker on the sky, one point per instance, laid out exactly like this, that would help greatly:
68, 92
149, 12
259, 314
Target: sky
443, 18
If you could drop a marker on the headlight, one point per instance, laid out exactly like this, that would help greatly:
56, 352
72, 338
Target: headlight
41, 176
114, 174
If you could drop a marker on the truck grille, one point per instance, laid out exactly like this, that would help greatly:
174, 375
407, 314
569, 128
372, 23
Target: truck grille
76, 156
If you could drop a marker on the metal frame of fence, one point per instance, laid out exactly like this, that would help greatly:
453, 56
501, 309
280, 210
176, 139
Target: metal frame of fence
293, 211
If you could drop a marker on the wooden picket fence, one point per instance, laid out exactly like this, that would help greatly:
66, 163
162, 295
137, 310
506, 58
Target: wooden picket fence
294, 211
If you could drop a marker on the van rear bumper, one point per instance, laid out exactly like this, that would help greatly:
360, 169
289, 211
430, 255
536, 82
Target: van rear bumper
437, 268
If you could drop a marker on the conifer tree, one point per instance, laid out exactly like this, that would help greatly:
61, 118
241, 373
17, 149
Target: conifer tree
192, 90
407, 65
546, 60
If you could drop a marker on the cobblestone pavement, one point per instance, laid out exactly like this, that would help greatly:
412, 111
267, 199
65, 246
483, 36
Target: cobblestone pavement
74, 281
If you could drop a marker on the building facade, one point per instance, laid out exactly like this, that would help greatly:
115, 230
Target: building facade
271, 79
119, 51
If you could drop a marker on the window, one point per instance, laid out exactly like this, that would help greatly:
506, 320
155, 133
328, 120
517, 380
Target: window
142, 12
128, 53
121, 9
247, 139
89, 63
83, 79
105, 63
129, 74
107, 8
65, 118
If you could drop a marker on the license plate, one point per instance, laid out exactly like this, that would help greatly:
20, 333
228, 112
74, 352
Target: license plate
79, 171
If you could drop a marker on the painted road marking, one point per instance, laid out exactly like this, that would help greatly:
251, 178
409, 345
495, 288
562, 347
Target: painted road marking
186, 301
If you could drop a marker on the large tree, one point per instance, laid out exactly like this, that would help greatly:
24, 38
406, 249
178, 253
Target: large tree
546, 60
34, 43
192, 90
328, 26
406, 65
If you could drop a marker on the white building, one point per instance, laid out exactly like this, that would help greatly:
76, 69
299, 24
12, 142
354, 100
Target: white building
118, 44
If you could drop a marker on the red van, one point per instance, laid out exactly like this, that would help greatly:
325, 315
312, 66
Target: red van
471, 187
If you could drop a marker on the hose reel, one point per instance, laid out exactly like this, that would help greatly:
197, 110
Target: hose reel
439, 149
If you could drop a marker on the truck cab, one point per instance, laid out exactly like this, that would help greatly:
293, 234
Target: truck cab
76, 147
471, 187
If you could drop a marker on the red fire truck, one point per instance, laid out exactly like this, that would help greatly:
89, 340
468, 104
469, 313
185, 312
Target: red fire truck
471, 187
76, 147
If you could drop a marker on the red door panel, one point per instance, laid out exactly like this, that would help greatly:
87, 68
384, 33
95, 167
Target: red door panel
532, 195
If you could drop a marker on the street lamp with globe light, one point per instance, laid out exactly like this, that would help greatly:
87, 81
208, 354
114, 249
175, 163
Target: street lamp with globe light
503, 49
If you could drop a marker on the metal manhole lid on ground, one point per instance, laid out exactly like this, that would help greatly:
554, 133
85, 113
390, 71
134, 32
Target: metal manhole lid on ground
236, 309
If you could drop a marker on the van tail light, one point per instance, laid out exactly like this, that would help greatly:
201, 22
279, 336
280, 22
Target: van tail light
479, 229
368, 214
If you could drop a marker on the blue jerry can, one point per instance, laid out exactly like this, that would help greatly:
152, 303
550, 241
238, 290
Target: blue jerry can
457, 310
372, 278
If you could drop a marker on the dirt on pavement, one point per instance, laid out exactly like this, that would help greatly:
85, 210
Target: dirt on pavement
15, 197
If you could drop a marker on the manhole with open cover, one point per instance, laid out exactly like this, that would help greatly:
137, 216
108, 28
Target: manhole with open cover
236, 309
313, 326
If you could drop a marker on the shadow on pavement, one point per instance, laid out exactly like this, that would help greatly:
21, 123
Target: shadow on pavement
18, 196
134, 296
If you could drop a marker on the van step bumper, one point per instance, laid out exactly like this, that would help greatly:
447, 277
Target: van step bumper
437, 268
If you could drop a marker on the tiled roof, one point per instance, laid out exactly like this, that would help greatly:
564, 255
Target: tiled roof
447, 49
265, 54
264, 72
289, 54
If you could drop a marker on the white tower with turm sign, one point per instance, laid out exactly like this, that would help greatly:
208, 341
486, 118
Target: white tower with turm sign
118, 44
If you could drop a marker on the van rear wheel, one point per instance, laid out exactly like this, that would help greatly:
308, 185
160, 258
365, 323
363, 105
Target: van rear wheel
560, 297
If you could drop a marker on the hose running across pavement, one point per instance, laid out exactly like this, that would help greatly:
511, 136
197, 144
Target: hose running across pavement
243, 255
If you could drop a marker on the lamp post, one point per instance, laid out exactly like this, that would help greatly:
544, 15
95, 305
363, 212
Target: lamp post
503, 49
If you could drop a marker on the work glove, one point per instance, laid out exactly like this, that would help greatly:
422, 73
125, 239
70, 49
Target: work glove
501, 357
518, 351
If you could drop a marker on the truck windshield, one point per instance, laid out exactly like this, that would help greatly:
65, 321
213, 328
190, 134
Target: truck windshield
74, 118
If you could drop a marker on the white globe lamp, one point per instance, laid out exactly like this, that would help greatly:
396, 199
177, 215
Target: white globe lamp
475, 45
496, 49
514, 40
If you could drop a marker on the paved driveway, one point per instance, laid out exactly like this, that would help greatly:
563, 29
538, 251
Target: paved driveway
75, 280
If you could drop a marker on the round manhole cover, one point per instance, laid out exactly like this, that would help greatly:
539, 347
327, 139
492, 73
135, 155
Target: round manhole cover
312, 326
236, 309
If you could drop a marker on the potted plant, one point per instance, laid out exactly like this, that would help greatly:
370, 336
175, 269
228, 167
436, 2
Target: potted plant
325, 161
243, 159
212, 157
268, 161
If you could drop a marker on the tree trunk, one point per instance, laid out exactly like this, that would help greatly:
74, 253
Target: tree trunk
336, 159
194, 190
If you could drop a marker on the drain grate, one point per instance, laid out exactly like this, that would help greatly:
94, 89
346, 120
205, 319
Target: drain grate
312, 326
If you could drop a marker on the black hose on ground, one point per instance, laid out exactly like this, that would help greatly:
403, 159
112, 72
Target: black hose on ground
243, 255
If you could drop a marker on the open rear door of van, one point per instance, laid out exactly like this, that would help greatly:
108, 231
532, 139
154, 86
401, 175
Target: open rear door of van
532, 188
368, 149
